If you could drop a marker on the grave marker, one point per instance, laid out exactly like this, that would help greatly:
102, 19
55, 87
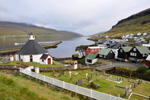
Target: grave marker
70, 73
86, 75
79, 82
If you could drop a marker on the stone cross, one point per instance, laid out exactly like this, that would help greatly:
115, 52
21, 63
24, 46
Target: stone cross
70, 73
86, 75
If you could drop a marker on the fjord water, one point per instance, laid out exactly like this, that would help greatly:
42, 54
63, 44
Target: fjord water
65, 49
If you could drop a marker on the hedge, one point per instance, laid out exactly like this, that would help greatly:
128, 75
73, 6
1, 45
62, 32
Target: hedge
141, 72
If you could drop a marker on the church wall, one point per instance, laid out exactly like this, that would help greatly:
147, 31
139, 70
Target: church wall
25, 58
36, 58
16, 57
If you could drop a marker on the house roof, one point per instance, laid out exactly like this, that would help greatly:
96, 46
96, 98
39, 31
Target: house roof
91, 56
44, 56
148, 58
127, 49
104, 51
116, 46
31, 48
143, 49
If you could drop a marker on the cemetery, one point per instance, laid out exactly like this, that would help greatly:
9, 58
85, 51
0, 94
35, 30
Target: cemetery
103, 82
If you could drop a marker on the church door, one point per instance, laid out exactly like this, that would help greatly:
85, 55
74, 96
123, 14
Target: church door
49, 60
31, 58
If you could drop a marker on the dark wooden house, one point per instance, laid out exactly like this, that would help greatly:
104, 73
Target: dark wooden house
147, 61
123, 52
139, 52
106, 53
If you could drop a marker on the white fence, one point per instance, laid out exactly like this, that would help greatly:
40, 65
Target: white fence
74, 88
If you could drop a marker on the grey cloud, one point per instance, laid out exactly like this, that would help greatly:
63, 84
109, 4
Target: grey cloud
82, 16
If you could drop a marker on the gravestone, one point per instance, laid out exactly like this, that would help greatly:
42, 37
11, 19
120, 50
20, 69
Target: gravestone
122, 79
135, 85
90, 79
126, 92
64, 72
71, 78
97, 74
79, 82
94, 86
53, 72
139, 81
60, 75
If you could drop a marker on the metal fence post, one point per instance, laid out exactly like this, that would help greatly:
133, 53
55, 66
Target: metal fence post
63, 84
91, 93
76, 89
44, 78
53, 80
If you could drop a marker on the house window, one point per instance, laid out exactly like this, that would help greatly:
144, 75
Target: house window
100, 55
134, 54
42, 60
134, 49
131, 53
121, 50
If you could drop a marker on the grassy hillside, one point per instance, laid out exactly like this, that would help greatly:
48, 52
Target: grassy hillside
139, 22
11, 29
14, 87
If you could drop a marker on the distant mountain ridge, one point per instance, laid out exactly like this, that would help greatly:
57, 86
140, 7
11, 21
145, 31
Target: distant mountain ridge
139, 22
13, 28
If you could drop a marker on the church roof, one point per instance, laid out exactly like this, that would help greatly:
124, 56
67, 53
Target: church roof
44, 56
31, 48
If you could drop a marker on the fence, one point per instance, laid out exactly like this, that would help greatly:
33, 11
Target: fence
68, 86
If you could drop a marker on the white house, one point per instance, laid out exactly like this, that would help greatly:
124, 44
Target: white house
144, 33
31, 52
46, 59
138, 34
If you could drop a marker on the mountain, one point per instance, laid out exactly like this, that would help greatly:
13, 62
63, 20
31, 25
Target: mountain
139, 22
12, 28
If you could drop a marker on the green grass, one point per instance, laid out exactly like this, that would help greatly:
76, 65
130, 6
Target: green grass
15, 87
107, 86
56, 64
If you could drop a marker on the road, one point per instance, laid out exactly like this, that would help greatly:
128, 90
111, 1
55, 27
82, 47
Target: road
124, 64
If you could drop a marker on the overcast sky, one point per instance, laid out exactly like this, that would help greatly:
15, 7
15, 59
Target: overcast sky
82, 16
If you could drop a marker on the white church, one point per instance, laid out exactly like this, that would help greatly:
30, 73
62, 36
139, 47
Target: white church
33, 52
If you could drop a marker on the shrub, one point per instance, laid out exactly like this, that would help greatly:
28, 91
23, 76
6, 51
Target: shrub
76, 55
142, 70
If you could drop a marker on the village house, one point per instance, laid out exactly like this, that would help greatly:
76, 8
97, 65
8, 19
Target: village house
91, 59
33, 52
147, 62
115, 48
94, 50
123, 52
139, 53
106, 53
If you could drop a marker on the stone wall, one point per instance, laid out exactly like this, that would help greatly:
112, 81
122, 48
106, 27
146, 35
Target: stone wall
58, 69
10, 69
